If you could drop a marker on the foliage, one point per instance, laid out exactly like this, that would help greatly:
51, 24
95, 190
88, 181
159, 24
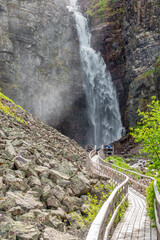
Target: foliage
10, 109
150, 196
118, 161
99, 7
94, 203
121, 211
148, 132
146, 74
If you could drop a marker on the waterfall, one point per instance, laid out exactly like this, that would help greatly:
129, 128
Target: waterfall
102, 105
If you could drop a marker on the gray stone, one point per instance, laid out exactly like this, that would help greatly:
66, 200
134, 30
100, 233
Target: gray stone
58, 193
53, 234
15, 183
52, 202
78, 186
32, 181
16, 211
25, 231
25, 200
10, 149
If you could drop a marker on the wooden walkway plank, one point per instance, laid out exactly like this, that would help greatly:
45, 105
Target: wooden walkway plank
136, 224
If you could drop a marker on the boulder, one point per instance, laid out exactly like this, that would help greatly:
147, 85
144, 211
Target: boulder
9, 149
15, 184
24, 200
53, 234
25, 231
33, 181
58, 193
79, 186
21, 163
52, 202
16, 211
73, 203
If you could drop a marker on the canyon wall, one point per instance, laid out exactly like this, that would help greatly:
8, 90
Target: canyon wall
127, 33
40, 65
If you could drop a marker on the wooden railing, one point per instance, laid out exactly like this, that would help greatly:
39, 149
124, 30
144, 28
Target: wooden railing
157, 209
137, 181
121, 177
108, 212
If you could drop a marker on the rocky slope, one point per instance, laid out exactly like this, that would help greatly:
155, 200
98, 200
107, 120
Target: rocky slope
127, 34
42, 178
40, 65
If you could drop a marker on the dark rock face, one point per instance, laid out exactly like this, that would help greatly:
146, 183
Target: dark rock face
142, 44
128, 38
40, 65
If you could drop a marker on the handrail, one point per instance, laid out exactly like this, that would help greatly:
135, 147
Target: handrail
125, 176
157, 209
98, 228
143, 180
140, 187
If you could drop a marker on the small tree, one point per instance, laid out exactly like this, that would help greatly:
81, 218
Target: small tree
148, 132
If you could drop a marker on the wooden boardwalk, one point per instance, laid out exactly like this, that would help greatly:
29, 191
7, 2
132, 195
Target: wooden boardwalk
136, 224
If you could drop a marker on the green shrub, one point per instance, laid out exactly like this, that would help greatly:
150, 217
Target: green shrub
10, 109
148, 132
95, 202
150, 196
121, 211
118, 161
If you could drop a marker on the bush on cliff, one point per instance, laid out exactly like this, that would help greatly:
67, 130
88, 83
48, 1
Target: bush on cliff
148, 132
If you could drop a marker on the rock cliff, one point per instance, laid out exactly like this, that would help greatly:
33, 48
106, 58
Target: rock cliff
40, 65
39, 62
127, 34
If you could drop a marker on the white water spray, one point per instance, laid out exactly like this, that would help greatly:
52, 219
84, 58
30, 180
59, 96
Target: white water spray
102, 105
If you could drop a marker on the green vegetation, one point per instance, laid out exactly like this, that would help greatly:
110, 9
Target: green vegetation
94, 203
100, 7
121, 211
150, 196
146, 74
118, 161
148, 132
10, 109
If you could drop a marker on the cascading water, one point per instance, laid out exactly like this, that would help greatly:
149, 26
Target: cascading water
103, 109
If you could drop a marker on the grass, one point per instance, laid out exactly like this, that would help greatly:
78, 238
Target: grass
95, 201
118, 161
10, 108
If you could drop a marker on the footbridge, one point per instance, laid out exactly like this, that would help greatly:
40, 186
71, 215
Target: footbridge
130, 185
